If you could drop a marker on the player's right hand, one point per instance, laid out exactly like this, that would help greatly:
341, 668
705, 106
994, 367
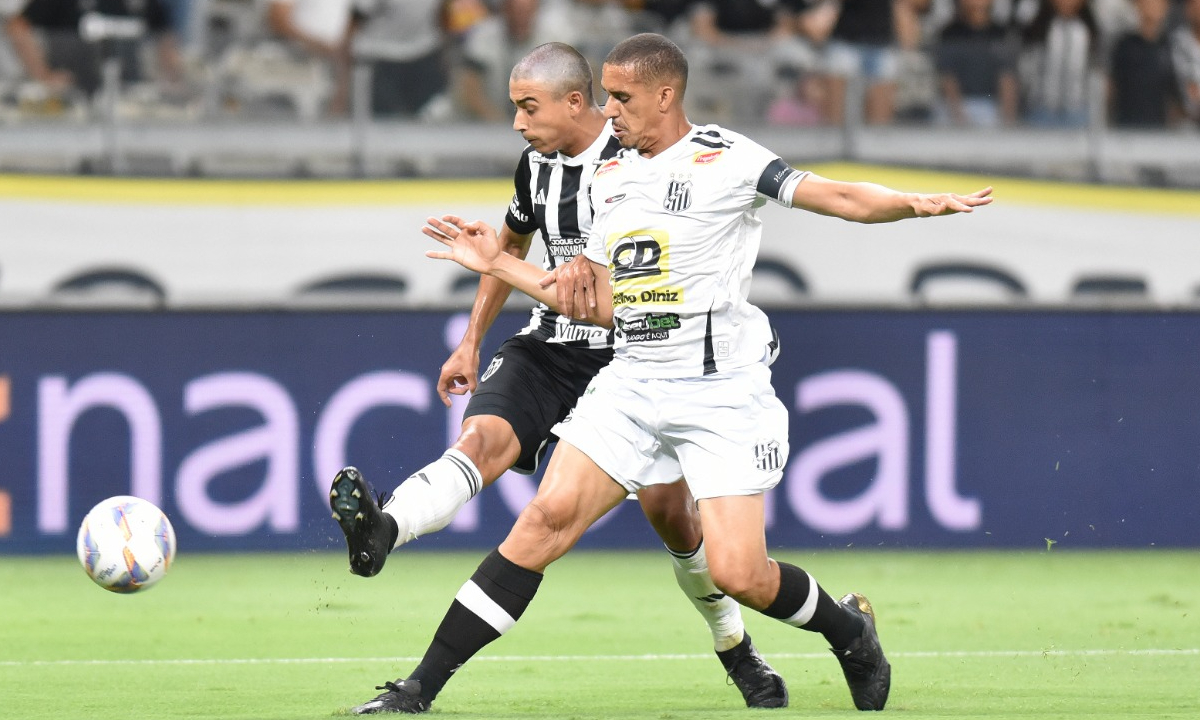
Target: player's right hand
460, 374
473, 245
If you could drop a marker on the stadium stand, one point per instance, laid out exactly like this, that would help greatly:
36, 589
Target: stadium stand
239, 82
1111, 289
776, 283
109, 287
368, 288
965, 282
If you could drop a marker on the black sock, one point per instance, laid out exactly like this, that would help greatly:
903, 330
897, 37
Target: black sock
485, 608
731, 656
796, 606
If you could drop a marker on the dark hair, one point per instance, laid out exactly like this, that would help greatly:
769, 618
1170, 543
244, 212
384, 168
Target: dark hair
1038, 29
561, 67
653, 58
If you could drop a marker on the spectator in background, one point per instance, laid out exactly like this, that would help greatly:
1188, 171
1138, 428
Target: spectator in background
659, 15
1185, 48
743, 51
1142, 87
78, 36
1058, 53
491, 46
976, 67
404, 44
863, 44
318, 30
916, 76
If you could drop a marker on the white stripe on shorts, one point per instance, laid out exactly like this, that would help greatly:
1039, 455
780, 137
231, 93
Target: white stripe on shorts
476, 600
805, 613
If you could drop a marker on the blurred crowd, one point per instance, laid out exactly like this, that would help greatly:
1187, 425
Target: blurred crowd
977, 63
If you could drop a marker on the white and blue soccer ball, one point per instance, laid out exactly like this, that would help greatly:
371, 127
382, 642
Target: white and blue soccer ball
126, 544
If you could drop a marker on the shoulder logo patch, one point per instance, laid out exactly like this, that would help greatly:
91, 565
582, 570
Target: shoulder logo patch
607, 167
705, 158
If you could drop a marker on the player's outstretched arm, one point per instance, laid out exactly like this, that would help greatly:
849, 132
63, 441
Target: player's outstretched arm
871, 203
475, 246
460, 373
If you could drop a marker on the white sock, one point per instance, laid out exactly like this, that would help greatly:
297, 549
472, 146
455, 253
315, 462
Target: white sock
721, 612
430, 498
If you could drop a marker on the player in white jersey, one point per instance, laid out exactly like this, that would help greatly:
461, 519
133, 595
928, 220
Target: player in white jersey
508, 425
661, 405
680, 278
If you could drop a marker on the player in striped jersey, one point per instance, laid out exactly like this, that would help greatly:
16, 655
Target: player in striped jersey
688, 391
534, 381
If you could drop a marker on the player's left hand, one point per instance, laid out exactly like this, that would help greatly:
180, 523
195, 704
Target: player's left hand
474, 245
575, 283
950, 203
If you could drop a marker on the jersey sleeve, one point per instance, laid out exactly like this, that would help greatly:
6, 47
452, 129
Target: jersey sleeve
594, 249
520, 217
778, 182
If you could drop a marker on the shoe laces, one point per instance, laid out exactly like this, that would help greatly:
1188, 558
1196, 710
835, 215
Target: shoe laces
853, 660
390, 687
749, 662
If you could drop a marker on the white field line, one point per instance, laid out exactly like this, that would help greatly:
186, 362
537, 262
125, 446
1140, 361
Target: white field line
920, 655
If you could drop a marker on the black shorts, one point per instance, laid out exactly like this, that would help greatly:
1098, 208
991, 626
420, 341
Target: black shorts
533, 385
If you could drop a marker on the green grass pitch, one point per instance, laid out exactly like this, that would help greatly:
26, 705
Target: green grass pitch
1036, 634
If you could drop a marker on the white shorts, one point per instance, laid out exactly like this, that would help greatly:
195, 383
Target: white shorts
726, 434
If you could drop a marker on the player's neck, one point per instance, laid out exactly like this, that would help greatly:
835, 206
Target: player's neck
591, 125
673, 132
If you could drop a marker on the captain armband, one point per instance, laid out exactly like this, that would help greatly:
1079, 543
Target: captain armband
778, 182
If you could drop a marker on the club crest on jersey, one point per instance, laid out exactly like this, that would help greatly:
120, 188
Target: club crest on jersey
679, 195
704, 158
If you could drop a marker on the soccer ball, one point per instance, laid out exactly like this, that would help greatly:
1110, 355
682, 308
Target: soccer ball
125, 544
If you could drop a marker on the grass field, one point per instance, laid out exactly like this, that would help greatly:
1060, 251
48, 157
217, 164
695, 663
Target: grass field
283, 637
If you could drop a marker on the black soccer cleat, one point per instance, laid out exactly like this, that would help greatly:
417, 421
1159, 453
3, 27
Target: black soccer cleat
402, 696
760, 685
867, 671
370, 534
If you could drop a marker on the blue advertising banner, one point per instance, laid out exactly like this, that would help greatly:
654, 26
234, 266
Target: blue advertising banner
908, 429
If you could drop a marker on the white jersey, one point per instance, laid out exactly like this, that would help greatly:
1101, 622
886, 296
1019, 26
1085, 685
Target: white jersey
680, 233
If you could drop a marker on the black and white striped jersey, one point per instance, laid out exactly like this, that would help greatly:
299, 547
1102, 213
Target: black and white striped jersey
552, 197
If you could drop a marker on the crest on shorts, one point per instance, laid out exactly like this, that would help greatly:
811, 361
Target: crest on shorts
767, 456
492, 367
679, 195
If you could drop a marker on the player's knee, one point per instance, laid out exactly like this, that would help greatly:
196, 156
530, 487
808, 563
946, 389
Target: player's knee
678, 529
673, 516
490, 443
540, 536
745, 582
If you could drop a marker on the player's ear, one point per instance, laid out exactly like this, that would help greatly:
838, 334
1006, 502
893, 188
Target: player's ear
575, 102
666, 98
